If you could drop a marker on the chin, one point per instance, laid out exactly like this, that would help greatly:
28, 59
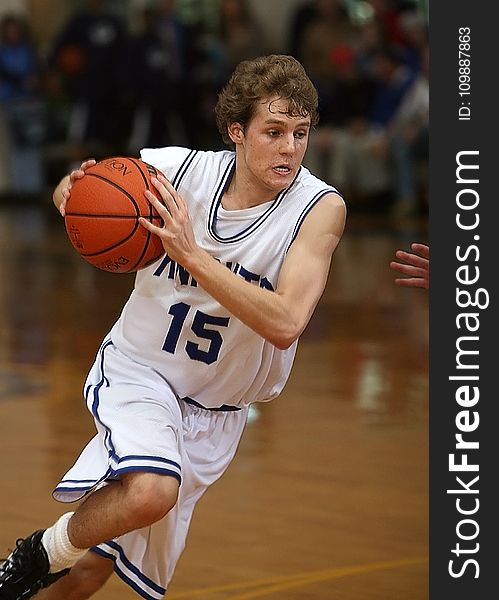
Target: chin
281, 183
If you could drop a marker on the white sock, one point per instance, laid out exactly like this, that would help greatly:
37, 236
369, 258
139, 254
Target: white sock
60, 551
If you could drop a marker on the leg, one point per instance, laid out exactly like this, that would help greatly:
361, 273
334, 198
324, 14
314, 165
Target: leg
88, 575
146, 430
137, 500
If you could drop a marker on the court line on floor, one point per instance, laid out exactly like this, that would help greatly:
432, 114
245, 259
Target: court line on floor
271, 585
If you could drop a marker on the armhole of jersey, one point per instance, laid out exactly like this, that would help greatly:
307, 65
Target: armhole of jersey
173, 161
307, 209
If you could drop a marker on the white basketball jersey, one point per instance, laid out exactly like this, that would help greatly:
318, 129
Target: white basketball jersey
172, 325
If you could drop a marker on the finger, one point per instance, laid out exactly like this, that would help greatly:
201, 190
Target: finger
151, 227
80, 172
162, 209
89, 162
412, 282
154, 229
168, 198
422, 249
76, 174
408, 269
65, 195
177, 198
412, 259
400, 267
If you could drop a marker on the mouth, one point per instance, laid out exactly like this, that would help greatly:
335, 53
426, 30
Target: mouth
282, 169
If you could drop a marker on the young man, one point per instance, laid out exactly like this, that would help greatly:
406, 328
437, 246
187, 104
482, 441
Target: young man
209, 329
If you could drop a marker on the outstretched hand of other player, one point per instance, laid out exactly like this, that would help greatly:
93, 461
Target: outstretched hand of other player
176, 234
63, 191
416, 266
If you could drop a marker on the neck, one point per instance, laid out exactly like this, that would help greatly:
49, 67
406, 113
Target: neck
243, 192
239, 195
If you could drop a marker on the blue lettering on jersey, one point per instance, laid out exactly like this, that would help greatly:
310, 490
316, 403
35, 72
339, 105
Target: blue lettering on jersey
182, 276
175, 271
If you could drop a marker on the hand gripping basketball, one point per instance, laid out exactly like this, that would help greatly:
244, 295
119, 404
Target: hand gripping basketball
175, 232
103, 210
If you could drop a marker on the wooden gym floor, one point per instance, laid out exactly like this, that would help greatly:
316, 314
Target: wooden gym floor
328, 495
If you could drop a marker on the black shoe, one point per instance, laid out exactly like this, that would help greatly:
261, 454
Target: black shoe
26, 570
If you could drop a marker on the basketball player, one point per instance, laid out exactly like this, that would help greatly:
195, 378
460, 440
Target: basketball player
209, 329
416, 266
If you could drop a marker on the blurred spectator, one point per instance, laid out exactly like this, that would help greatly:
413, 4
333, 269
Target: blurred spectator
240, 35
409, 140
237, 36
303, 15
329, 27
326, 26
352, 91
392, 78
161, 66
21, 105
414, 30
368, 40
387, 17
88, 55
345, 149
356, 154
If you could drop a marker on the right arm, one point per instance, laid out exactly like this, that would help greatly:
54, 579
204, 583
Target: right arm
63, 190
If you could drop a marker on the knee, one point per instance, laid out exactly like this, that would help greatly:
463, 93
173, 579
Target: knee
149, 497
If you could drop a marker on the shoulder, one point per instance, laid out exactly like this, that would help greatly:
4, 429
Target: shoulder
326, 216
308, 183
175, 159
165, 158
313, 193
324, 208
321, 219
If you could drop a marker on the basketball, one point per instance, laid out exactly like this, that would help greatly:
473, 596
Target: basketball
102, 215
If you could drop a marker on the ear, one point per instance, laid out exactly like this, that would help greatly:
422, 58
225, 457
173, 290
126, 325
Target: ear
236, 132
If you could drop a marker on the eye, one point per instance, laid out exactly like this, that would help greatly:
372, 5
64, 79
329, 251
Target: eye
300, 135
273, 133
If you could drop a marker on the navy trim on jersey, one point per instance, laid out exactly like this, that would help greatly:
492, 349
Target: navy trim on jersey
222, 408
149, 469
134, 569
222, 186
88, 484
95, 403
131, 567
217, 200
109, 443
306, 210
85, 484
183, 168
146, 457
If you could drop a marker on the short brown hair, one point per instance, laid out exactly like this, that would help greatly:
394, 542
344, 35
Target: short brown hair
264, 77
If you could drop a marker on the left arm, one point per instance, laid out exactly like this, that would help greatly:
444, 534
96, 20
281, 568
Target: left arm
280, 316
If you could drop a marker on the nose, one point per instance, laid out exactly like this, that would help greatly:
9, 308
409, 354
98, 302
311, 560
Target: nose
287, 144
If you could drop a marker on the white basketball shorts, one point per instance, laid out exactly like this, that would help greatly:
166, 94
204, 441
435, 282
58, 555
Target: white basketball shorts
143, 426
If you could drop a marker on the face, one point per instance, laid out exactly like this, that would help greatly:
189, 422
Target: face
271, 147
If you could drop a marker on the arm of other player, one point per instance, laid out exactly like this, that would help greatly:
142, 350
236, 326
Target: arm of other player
281, 316
416, 266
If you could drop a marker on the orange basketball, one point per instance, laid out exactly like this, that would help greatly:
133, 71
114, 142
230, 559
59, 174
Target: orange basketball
102, 215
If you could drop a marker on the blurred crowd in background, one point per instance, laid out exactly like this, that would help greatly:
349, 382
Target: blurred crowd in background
110, 84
